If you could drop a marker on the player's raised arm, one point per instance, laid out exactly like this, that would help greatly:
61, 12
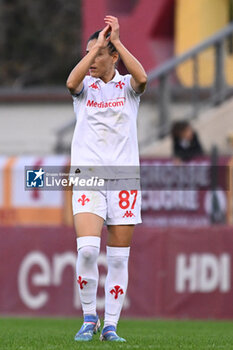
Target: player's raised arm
75, 80
134, 67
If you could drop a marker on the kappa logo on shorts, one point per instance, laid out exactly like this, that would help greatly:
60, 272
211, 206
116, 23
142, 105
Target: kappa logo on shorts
83, 200
120, 85
128, 214
94, 86
116, 290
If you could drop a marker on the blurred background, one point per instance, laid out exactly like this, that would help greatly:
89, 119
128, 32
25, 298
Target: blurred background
185, 118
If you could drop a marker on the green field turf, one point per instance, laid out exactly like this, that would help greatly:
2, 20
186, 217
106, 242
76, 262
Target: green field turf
58, 334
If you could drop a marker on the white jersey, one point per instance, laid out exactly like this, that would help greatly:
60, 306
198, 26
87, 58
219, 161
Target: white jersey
106, 128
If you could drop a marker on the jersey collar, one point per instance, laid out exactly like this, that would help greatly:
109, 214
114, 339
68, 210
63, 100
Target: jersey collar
115, 79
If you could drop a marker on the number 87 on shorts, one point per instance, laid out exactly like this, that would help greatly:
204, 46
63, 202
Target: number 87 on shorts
128, 208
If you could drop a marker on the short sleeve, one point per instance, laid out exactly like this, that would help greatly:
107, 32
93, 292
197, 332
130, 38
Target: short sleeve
79, 97
85, 84
129, 86
78, 93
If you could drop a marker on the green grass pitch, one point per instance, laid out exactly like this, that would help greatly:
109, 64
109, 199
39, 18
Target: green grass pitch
58, 334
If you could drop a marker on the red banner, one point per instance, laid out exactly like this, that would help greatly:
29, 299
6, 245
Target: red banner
172, 272
183, 195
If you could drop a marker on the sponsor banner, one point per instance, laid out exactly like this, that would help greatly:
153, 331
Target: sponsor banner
36, 190
20, 207
172, 272
195, 194
198, 269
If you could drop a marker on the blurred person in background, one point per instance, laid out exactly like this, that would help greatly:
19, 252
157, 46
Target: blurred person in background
106, 105
186, 144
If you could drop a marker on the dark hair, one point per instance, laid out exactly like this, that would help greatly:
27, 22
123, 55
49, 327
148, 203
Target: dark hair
95, 35
178, 128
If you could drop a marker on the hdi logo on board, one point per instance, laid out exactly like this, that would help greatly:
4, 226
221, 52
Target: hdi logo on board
203, 273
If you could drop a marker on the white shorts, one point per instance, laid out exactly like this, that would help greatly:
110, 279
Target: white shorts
115, 207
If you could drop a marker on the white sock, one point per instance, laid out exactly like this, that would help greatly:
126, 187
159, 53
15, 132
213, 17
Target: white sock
116, 283
87, 272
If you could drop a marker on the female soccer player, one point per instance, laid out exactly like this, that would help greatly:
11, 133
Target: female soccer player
106, 105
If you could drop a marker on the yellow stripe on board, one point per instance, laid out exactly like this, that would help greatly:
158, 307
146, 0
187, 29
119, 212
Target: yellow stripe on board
7, 182
196, 21
32, 216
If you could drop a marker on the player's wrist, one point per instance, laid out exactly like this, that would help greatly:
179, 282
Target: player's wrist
116, 42
96, 48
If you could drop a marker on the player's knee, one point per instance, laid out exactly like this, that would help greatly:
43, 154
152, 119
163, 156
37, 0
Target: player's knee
118, 262
88, 254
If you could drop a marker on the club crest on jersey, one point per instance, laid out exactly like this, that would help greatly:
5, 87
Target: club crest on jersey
94, 86
120, 85
128, 214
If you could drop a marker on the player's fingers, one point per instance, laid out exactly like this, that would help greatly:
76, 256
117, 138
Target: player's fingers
108, 19
111, 17
111, 22
106, 30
